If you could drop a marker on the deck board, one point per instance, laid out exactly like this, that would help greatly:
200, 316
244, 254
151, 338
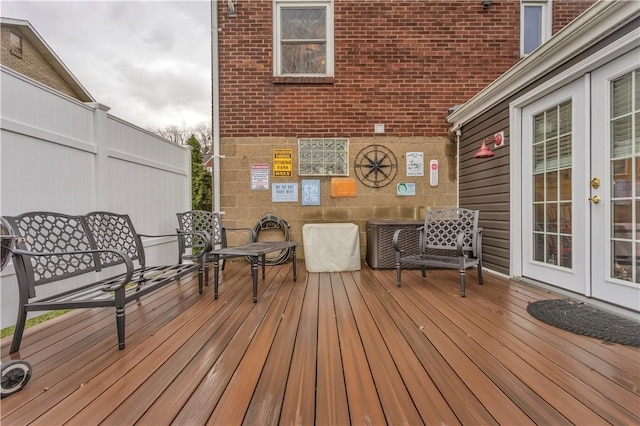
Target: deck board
330, 348
331, 396
298, 406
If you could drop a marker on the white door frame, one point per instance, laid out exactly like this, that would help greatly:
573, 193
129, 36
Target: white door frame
619, 47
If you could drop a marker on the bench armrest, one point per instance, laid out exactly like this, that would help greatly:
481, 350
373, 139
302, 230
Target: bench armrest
125, 258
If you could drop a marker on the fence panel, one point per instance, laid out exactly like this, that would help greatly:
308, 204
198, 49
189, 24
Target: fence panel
58, 154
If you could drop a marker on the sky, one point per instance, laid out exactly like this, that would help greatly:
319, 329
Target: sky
149, 61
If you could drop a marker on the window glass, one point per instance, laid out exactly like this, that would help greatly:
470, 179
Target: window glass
552, 178
532, 28
15, 44
625, 177
535, 25
304, 44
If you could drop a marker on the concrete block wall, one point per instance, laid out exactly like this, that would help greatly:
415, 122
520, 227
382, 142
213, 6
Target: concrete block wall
243, 207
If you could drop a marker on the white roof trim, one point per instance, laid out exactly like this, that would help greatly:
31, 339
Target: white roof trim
593, 25
38, 42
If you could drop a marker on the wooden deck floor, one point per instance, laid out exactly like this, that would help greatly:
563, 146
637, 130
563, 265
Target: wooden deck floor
331, 349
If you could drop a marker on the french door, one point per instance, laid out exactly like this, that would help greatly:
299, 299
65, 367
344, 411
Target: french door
615, 162
555, 215
581, 185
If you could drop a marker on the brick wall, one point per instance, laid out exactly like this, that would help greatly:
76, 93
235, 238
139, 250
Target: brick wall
399, 63
566, 11
32, 64
402, 63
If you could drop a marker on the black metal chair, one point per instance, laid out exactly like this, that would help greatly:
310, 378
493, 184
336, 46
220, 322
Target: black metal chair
450, 238
210, 225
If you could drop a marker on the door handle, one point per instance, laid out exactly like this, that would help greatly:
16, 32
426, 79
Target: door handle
595, 199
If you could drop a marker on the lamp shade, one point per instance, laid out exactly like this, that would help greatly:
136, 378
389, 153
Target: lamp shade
484, 152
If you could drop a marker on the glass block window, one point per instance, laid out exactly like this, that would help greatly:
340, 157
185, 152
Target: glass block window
323, 157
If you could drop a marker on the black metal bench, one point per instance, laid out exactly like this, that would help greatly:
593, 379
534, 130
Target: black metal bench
52, 247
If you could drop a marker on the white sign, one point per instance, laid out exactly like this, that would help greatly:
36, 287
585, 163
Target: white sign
284, 193
415, 164
259, 176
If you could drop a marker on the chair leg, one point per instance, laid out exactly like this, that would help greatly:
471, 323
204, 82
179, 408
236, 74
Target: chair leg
200, 277
423, 269
120, 327
17, 335
480, 277
398, 274
463, 275
206, 272
120, 320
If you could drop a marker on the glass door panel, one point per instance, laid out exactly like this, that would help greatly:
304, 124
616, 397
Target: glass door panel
615, 157
624, 125
552, 178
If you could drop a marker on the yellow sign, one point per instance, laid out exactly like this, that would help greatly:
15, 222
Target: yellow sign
282, 162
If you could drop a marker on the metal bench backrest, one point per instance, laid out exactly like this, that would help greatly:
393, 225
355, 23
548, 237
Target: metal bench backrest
115, 231
200, 220
51, 232
443, 226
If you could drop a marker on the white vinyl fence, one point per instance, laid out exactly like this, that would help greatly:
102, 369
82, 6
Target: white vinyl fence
58, 154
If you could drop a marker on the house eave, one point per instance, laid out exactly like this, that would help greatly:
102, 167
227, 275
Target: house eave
30, 33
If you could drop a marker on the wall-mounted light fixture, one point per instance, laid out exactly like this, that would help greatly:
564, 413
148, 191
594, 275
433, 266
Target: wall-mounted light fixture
484, 151
232, 9
486, 3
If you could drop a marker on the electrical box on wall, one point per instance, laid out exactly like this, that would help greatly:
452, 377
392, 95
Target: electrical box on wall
433, 172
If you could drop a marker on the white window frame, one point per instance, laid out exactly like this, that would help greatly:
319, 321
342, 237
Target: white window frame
277, 57
546, 24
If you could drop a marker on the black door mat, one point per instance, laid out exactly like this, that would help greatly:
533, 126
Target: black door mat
586, 320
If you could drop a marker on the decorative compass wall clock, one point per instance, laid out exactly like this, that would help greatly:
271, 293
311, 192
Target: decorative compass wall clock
375, 166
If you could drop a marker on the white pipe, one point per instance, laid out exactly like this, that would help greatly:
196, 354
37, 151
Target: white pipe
215, 94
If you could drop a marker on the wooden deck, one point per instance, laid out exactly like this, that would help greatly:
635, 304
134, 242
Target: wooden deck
331, 349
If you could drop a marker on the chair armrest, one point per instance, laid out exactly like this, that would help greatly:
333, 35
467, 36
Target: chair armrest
253, 236
396, 236
127, 261
477, 245
476, 242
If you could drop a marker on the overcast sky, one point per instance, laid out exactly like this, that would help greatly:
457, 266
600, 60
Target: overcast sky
149, 61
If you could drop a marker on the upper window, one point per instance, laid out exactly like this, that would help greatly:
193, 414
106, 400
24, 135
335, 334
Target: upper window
535, 25
303, 38
15, 44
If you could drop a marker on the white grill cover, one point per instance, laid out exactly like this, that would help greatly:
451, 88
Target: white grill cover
331, 247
